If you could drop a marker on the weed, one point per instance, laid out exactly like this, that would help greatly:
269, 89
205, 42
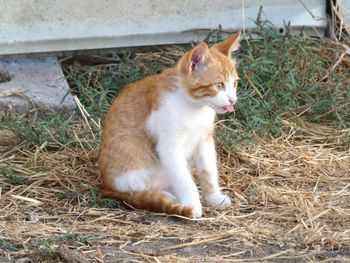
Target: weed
97, 202
73, 197
51, 129
5, 245
49, 247
12, 177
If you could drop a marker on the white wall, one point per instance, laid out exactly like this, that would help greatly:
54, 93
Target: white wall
53, 25
345, 10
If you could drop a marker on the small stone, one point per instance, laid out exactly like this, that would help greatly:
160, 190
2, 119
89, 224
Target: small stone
4, 76
7, 137
24, 260
4, 149
33, 217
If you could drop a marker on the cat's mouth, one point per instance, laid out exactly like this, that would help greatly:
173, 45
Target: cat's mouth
228, 108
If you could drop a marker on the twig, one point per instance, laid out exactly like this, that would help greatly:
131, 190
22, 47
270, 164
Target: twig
317, 18
255, 88
196, 243
84, 112
27, 199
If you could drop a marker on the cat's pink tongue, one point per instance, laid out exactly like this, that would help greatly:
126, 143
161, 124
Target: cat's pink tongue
229, 108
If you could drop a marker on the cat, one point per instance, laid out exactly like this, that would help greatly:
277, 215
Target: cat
158, 127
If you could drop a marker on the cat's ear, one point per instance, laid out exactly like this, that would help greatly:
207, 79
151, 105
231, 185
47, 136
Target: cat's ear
229, 45
197, 58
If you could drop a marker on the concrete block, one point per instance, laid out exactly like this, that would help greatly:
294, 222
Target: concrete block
34, 84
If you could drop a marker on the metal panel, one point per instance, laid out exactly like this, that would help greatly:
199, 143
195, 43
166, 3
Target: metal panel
50, 25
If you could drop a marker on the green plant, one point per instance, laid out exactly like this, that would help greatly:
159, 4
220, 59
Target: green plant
48, 247
97, 202
12, 176
5, 245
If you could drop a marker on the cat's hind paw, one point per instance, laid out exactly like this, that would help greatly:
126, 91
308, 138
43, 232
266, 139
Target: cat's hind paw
218, 200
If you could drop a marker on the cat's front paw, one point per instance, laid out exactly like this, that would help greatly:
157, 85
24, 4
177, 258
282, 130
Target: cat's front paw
197, 211
218, 200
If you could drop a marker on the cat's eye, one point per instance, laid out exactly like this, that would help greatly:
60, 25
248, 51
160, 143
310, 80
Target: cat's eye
220, 86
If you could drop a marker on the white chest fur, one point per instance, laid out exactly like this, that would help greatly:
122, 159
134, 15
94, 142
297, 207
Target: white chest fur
180, 123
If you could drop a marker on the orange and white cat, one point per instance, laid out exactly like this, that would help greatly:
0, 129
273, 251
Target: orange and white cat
159, 127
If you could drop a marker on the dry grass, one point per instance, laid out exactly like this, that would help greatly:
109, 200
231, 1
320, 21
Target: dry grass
291, 201
339, 27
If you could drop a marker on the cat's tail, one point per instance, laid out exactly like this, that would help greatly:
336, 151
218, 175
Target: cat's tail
153, 201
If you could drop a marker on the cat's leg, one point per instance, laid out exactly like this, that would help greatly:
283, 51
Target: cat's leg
134, 180
144, 180
174, 162
205, 162
140, 180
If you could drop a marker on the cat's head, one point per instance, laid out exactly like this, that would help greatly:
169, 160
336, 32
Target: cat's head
209, 75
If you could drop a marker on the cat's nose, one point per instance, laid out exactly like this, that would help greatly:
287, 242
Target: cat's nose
232, 100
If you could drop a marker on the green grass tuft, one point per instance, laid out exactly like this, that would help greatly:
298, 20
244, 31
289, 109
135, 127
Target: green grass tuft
12, 176
52, 129
73, 197
96, 202
9, 246
49, 247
